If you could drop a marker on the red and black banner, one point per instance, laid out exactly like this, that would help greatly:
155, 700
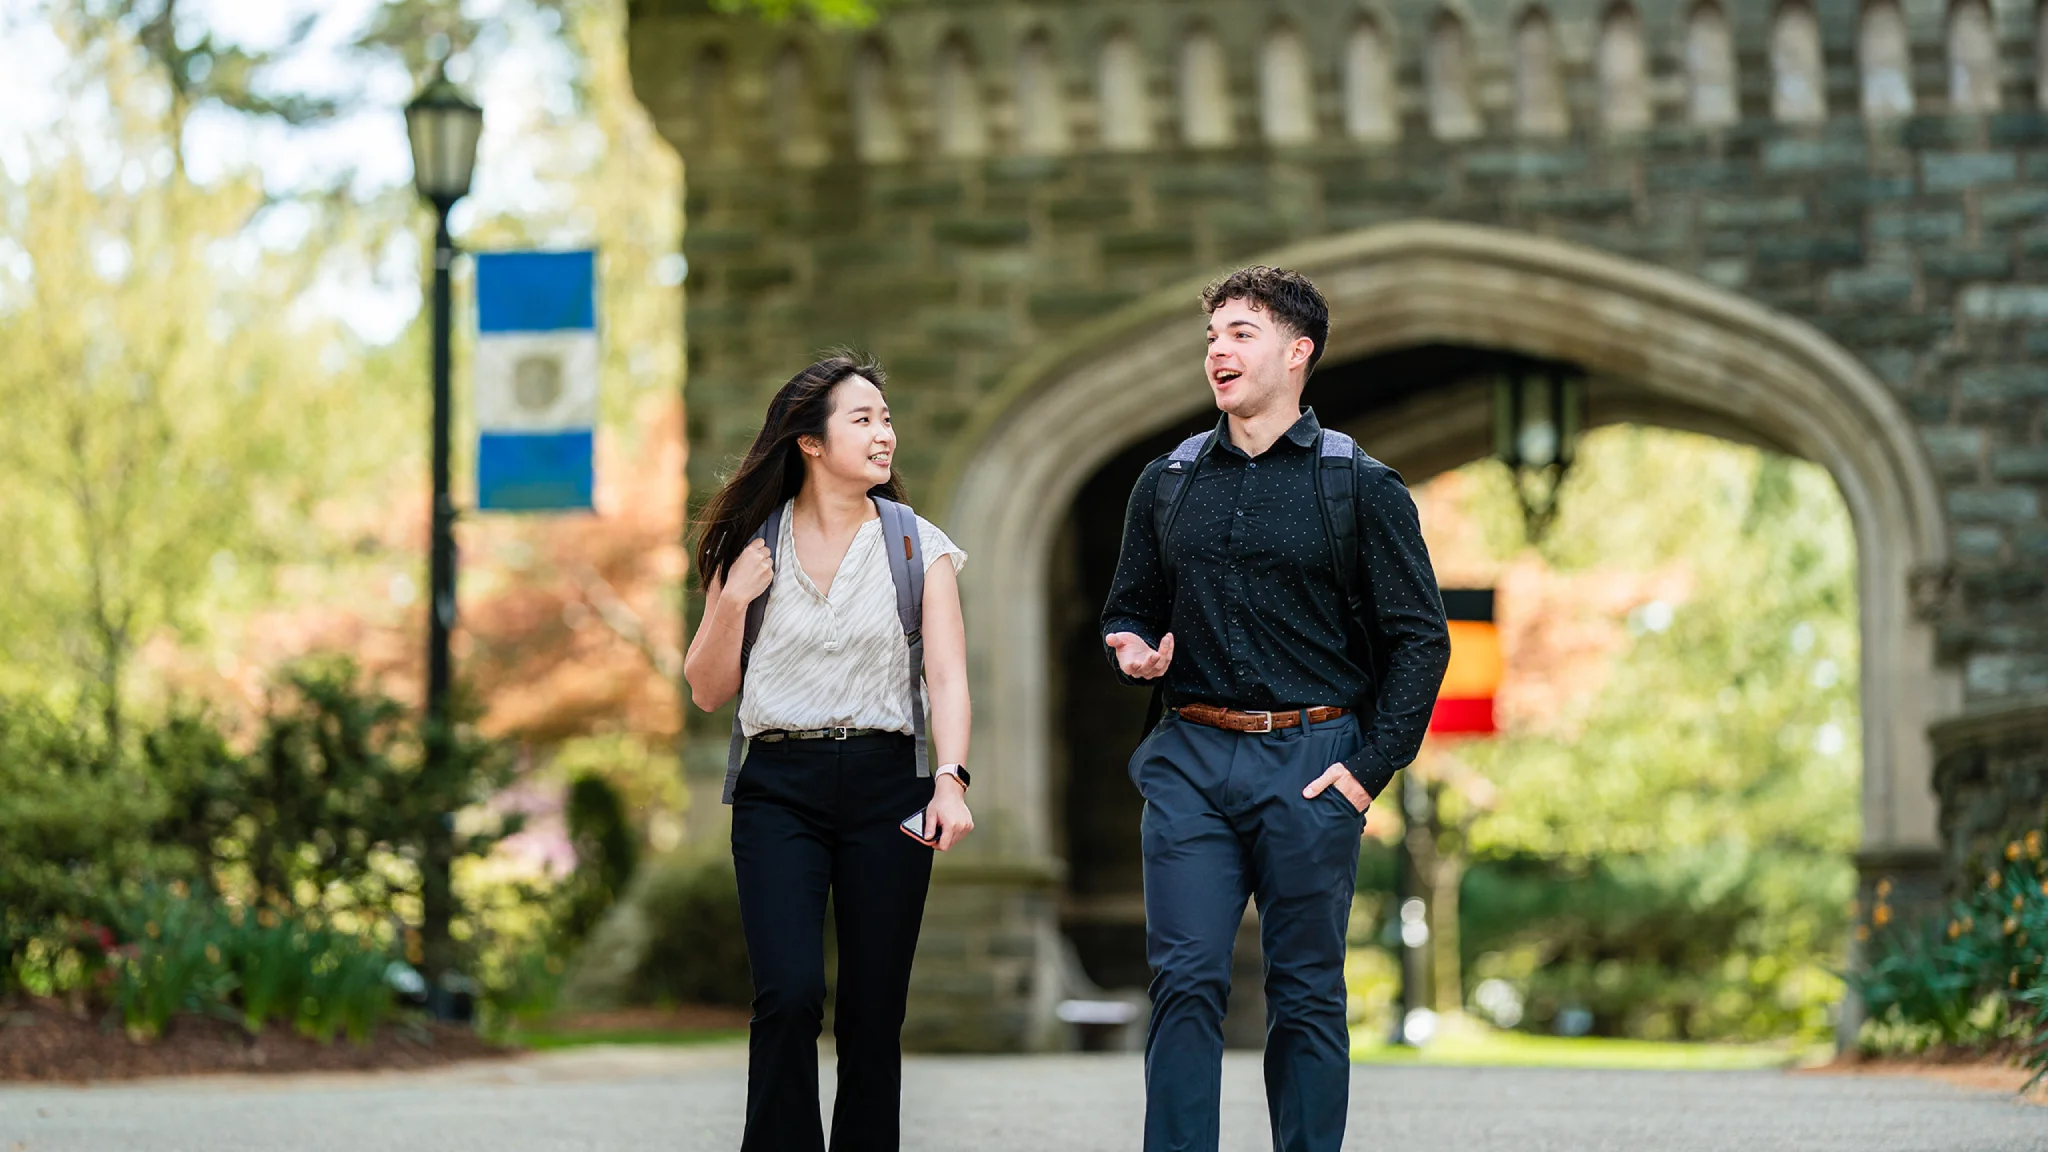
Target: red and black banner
1464, 705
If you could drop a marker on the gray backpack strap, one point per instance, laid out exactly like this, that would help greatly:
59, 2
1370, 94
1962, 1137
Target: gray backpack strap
1337, 492
1173, 483
1337, 488
1166, 501
736, 750
904, 545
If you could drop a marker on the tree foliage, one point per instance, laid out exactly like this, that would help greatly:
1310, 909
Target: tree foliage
1662, 834
167, 419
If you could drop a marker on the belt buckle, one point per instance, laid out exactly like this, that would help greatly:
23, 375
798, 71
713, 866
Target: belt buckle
1269, 723
841, 733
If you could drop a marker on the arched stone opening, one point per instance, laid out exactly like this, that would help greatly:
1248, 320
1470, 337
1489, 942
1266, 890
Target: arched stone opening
1660, 347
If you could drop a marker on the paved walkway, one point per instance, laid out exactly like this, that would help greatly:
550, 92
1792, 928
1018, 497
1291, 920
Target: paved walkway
689, 1100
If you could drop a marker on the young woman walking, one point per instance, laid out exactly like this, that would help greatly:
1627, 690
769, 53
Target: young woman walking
835, 768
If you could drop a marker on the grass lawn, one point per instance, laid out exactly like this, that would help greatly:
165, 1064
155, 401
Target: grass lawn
1522, 1050
545, 1039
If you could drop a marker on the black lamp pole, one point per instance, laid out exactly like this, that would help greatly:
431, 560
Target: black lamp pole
443, 126
441, 566
437, 896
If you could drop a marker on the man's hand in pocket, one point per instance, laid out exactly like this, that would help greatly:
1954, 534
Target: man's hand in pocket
1340, 778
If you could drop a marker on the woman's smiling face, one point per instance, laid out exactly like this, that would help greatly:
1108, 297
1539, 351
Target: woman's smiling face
860, 443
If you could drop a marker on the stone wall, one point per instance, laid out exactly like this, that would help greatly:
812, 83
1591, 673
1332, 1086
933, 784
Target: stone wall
1920, 242
1991, 771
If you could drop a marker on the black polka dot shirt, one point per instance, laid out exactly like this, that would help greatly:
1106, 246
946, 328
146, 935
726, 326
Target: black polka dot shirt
1252, 598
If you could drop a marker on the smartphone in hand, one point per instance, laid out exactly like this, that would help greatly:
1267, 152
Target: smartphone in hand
914, 825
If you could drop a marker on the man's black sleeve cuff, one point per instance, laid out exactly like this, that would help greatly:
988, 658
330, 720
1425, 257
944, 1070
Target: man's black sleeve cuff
1371, 770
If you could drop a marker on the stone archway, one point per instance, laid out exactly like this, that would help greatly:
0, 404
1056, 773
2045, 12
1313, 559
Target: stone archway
1663, 348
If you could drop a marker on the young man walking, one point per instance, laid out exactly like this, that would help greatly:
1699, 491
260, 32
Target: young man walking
1274, 581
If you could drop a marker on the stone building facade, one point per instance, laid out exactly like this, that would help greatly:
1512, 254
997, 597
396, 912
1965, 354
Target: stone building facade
1817, 227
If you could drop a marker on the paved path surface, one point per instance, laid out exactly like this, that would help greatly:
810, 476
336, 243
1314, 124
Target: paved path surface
689, 1100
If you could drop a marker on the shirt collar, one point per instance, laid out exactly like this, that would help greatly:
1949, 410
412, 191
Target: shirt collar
1304, 434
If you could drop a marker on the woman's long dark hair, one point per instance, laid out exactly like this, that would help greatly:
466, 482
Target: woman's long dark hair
773, 470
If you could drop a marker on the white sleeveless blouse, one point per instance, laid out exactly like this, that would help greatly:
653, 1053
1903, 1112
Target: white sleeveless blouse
837, 661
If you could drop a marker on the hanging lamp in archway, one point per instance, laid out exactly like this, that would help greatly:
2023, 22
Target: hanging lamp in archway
1538, 415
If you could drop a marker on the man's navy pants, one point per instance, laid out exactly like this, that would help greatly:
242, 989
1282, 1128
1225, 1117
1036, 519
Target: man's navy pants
1224, 821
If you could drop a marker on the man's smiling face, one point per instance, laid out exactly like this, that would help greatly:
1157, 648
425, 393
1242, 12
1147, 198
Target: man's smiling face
1250, 353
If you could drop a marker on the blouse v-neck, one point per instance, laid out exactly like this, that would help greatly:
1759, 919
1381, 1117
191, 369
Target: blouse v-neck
853, 546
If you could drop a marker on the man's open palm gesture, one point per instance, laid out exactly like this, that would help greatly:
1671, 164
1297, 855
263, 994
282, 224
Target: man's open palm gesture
1139, 660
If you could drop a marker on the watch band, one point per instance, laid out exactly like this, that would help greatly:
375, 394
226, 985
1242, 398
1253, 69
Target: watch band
956, 770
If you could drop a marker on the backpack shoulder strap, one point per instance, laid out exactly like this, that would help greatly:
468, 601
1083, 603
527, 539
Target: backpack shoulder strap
1173, 483
904, 544
1166, 501
1337, 475
1337, 492
770, 533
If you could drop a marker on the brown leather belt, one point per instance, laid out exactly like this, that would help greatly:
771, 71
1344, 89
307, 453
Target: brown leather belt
1217, 716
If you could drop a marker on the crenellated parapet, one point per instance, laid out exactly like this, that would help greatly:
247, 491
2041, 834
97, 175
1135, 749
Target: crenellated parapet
935, 79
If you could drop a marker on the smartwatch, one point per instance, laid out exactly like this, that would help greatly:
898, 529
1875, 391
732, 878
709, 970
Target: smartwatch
959, 770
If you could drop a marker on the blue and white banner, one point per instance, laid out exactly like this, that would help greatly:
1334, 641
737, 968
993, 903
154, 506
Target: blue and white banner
536, 379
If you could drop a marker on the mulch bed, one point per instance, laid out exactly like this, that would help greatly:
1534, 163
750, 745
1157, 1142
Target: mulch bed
45, 1040
1962, 1068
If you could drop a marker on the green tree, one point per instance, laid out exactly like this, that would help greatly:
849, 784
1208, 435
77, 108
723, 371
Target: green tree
1732, 712
142, 442
1671, 847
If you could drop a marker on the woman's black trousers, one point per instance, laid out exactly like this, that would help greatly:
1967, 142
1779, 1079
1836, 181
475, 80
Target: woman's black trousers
811, 817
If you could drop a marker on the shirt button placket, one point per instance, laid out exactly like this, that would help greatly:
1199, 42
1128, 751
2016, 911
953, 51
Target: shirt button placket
1240, 545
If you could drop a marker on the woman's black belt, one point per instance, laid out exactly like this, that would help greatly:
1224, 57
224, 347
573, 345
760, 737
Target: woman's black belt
823, 734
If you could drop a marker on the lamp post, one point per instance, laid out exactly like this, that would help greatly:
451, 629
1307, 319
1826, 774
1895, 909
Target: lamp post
443, 126
1538, 414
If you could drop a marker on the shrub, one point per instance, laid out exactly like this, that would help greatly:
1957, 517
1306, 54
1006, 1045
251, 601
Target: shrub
1977, 980
189, 954
172, 963
607, 853
674, 937
1692, 945
272, 960
698, 950
338, 777
74, 822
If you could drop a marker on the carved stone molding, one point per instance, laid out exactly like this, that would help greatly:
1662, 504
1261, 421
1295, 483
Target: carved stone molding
1932, 590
